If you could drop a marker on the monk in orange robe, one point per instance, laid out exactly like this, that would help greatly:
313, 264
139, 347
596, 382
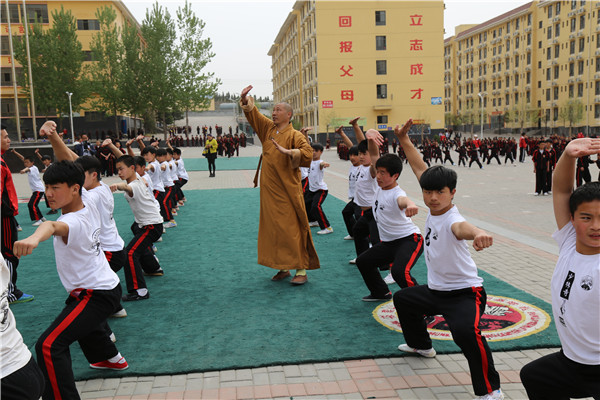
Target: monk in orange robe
284, 239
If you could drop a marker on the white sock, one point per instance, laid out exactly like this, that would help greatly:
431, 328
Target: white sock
116, 358
142, 292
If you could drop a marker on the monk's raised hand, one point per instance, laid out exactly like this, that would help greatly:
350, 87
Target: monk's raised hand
245, 93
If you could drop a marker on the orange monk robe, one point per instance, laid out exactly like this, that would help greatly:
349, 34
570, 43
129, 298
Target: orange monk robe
284, 239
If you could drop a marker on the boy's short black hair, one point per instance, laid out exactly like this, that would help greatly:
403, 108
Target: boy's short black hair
584, 194
177, 151
148, 149
169, 150
391, 162
46, 157
68, 172
363, 147
90, 164
127, 160
437, 178
353, 151
317, 147
139, 161
161, 152
30, 159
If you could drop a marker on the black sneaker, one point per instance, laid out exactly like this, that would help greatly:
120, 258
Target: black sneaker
158, 272
135, 296
374, 298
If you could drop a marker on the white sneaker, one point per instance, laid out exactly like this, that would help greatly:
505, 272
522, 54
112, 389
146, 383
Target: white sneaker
348, 237
170, 224
38, 222
113, 338
325, 231
495, 395
119, 314
19, 228
430, 353
159, 239
154, 249
389, 279
313, 224
174, 213
353, 261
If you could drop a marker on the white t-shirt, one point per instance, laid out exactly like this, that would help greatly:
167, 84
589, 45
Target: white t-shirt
13, 352
173, 171
449, 263
575, 289
157, 183
181, 171
144, 206
81, 264
35, 182
304, 172
103, 199
364, 196
392, 222
165, 175
352, 176
315, 176
148, 182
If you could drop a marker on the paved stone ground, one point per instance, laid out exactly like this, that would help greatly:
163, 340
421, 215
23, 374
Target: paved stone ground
498, 198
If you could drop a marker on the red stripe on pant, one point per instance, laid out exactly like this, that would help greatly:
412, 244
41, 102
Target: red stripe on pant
166, 202
413, 259
47, 345
35, 205
108, 255
323, 194
130, 258
484, 359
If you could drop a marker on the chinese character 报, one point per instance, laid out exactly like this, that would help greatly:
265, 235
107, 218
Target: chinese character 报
345, 47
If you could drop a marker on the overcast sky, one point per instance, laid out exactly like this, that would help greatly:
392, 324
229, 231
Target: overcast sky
243, 31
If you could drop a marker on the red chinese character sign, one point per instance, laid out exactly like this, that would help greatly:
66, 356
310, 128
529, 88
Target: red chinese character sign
327, 104
416, 69
347, 95
345, 47
346, 71
416, 20
345, 21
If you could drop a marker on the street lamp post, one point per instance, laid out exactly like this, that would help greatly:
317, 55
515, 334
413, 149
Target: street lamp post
71, 117
481, 95
316, 125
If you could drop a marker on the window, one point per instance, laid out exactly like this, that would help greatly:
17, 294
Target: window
380, 43
507, 99
528, 58
549, 32
548, 95
6, 77
580, 90
548, 75
379, 17
88, 25
582, 22
499, 102
556, 72
557, 9
382, 91
7, 108
516, 79
381, 67
597, 111
557, 30
516, 98
555, 112
597, 64
549, 9
528, 19
382, 119
573, 24
517, 42
573, 4
508, 45
581, 44
529, 39
597, 88
572, 47
507, 81
13, 10
4, 48
580, 67
572, 69
528, 78
37, 13
88, 56
556, 51
571, 90
516, 61
548, 54
556, 93
528, 95
598, 38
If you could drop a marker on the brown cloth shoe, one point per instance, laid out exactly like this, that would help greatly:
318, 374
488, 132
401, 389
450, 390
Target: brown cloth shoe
281, 275
299, 280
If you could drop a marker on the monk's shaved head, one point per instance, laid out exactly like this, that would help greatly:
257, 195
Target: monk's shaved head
287, 108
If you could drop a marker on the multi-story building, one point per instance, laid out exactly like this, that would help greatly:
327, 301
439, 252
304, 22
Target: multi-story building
41, 11
529, 67
380, 60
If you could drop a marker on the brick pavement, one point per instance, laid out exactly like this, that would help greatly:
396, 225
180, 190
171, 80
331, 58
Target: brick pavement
497, 198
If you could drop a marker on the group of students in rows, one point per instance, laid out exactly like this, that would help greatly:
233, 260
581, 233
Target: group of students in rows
89, 251
380, 212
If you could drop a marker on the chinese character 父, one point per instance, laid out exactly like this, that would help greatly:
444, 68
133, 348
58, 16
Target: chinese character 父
346, 72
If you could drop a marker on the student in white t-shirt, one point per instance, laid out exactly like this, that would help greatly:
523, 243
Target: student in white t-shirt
317, 191
574, 371
401, 241
182, 175
149, 229
454, 289
94, 289
36, 186
165, 178
20, 376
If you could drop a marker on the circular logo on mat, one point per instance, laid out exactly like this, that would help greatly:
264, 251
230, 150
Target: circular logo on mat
504, 319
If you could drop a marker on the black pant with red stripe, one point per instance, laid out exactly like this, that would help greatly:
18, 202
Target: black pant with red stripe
314, 207
34, 208
349, 215
164, 212
148, 261
304, 184
116, 260
9, 237
365, 230
143, 239
83, 320
462, 310
402, 253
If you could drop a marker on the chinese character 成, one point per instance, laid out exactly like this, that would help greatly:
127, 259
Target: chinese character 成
416, 69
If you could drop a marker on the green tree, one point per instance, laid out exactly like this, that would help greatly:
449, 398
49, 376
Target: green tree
160, 68
195, 87
106, 71
132, 82
56, 65
571, 112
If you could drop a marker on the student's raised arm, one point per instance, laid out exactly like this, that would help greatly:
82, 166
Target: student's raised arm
122, 186
466, 231
412, 154
115, 150
44, 232
37, 153
563, 178
16, 153
409, 206
374, 139
61, 150
360, 136
129, 149
140, 140
345, 138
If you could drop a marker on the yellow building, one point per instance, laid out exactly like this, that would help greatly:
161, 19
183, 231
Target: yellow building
528, 65
381, 60
87, 26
